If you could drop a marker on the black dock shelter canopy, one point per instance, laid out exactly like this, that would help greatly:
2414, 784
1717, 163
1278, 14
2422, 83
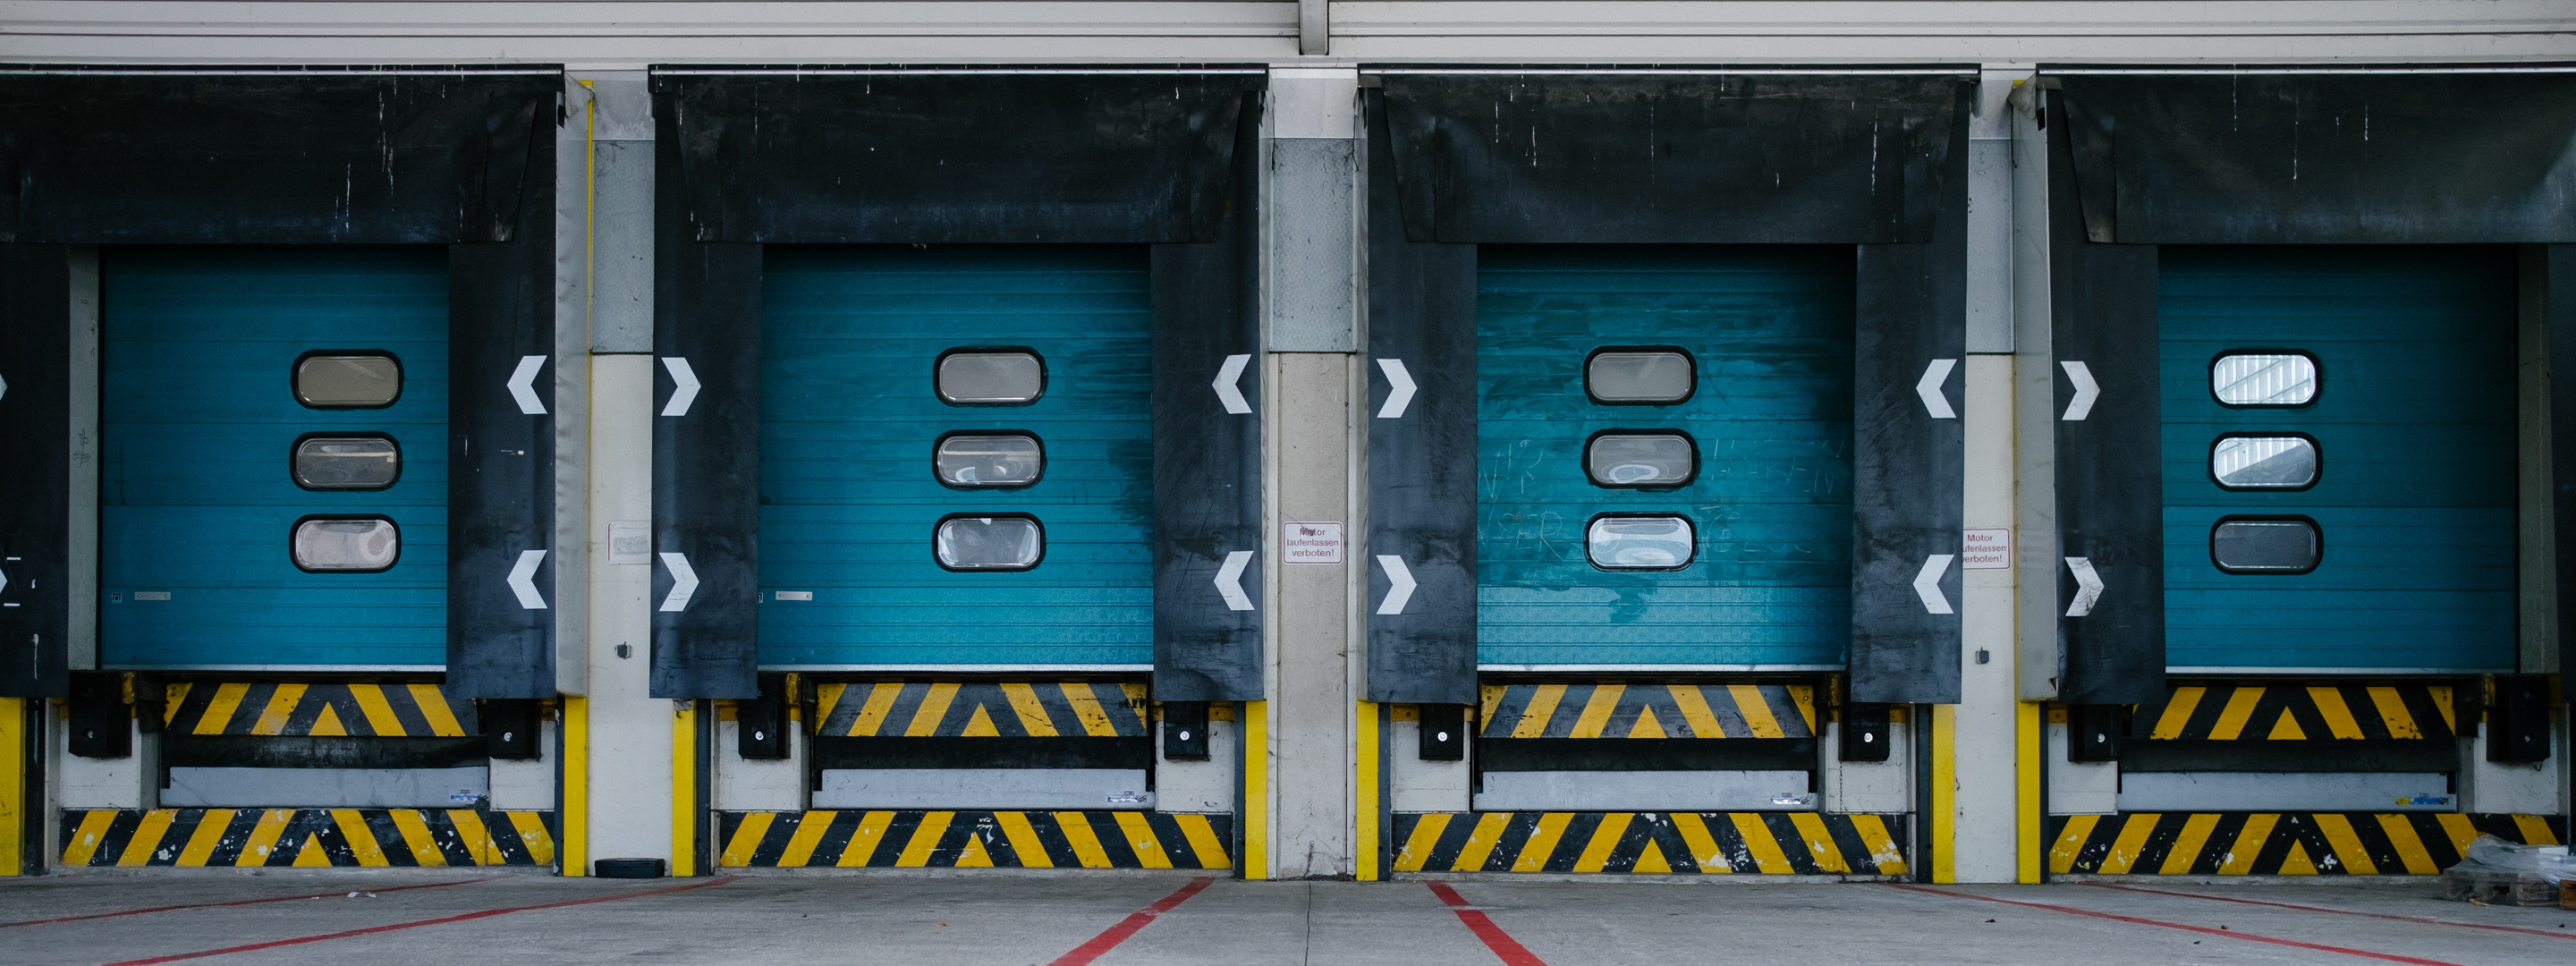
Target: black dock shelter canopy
2149, 156
454, 156
750, 157
1872, 158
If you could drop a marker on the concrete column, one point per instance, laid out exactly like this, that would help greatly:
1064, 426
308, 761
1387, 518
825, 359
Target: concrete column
1310, 231
1984, 731
617, 739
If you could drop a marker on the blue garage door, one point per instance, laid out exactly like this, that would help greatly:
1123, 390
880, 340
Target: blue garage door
2367, 433
202, 498
911, 521
1575, 346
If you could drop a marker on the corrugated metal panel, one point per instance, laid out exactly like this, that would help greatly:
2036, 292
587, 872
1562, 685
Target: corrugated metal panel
1057, 31
2414, 420
199, 416
1771, 329
848, 421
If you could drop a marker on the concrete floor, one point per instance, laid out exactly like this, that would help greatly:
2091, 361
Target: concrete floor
1034, 919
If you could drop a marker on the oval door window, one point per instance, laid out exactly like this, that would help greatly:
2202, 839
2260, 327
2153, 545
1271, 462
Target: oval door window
1640, 541
348, 380
989, 459
2264, 378
1640, 459
991, 377
372, 461
2266, 545
346, 544
1640, 375
1012, 542
2251, 462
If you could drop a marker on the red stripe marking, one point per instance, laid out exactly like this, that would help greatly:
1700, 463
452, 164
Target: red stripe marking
1502, 943
236, 902
1111, 937
2342, 912
2228, 933
442, 920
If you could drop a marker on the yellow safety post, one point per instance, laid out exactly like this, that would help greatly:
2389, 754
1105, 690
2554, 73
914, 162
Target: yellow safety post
684, 788
13, 785
575, 817
1256, 790
2027, 811
1945, 793
1365, 814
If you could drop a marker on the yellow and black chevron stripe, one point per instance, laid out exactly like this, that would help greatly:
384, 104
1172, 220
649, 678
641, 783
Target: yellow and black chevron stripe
1649, 711
346, 837
949, 709
418, 710
2294, 713
1680, 843
973, 840
2290, 843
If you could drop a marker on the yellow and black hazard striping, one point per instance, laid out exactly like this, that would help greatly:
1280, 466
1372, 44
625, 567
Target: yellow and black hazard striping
949, 709
2290, 843
2295, 713
1651, 843
1649, 711
344, 837
970, 840
286, 708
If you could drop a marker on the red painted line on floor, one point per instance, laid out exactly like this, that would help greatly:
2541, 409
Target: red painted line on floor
236, 902
1502, 943
442, 920
2560, 934
2227, 933
1111, 937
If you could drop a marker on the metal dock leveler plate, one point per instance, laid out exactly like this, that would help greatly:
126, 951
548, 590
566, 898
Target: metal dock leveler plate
2255, 747
1702, 747
989, 745
255, 744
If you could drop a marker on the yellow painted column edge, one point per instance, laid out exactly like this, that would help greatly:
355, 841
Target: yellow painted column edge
1365, 813
2030, 817
1256, 789
14, 806
684, 789
1945, 793
575, 817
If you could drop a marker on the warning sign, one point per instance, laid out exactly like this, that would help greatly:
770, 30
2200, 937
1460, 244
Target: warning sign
1989, 549
1310, 543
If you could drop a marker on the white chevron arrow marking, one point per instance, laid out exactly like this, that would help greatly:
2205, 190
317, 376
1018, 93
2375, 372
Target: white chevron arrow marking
2086, 391
1927, 584
2088, 586
1229, 389
4, 388
1399, 392
523, 385
522, 585
1229, 580
684, 388
684, 582
1399, 584
1929, 387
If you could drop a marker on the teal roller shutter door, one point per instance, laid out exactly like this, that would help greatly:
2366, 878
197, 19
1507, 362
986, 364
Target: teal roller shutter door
1771, 329
850, 336
199, 415
2414, 421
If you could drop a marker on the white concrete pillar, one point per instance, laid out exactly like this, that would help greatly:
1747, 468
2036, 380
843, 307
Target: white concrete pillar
1312, 468
1984, 732
617, 739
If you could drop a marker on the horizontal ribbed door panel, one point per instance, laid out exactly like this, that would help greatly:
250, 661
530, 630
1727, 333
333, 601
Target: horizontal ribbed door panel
2414, 423
849, 416
199, 416
1771, 331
